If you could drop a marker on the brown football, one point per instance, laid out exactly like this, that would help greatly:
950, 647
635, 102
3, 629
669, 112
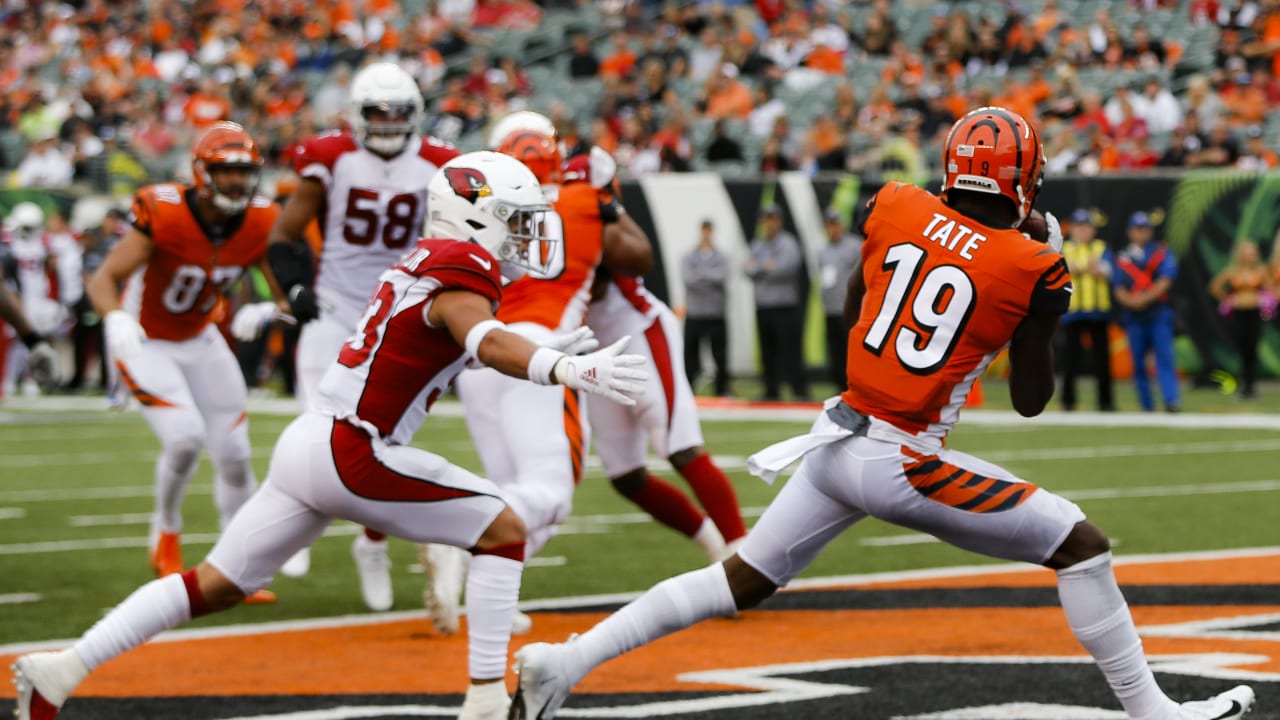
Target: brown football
1034, 226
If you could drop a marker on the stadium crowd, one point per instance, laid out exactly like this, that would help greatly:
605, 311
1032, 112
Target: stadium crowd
112, 94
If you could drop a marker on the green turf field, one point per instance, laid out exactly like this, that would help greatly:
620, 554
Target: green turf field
75, 497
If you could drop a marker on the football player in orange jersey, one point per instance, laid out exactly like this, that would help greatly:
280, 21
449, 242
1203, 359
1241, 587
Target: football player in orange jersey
186, 246
945, 283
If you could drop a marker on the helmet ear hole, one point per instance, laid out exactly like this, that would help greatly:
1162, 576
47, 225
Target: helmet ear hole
475, 224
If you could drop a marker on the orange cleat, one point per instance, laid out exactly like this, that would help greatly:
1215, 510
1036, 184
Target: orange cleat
262, 597
166, 556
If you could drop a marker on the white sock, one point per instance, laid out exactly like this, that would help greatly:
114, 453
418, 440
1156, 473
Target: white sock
710, 540
1100, 620
151, 609
493, 587
174, 468
671, 605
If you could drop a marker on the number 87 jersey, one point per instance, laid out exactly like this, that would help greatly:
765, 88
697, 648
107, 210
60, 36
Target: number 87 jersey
177, 292
944, 294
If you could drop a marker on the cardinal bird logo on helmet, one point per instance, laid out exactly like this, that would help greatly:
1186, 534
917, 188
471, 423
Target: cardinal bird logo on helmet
469, 183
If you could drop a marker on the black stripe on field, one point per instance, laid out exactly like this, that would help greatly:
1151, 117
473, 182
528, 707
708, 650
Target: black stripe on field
876, 691
912, 599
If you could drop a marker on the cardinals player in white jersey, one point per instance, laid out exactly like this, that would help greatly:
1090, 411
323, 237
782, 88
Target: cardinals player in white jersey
42, 359
347, 457
665, 415
532, 440
33, 271
368, 189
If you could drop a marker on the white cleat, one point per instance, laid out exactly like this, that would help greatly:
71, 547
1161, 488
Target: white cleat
374, 568
44, 680
298, 565
1229, 705
544, 684
446, 568
487, 701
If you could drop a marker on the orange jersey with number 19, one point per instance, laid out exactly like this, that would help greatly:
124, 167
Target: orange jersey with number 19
176, 293
944, 295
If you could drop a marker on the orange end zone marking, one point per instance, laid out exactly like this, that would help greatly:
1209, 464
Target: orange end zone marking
404, 657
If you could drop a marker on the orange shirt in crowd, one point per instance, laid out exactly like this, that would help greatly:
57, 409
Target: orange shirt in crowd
619, 64
203, 110
732, 99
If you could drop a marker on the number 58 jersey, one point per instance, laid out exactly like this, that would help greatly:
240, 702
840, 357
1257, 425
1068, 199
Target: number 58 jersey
374, 211
944, 295
177, 292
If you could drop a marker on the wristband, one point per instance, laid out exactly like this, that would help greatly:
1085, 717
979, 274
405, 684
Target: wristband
543, 364
477, 332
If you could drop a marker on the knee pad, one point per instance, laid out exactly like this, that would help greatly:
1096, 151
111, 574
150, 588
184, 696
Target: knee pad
182, 453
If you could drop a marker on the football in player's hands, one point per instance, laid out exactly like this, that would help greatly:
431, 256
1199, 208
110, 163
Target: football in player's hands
1035, 227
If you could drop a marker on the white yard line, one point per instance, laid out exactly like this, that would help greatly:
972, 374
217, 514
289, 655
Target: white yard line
587, 601
20, 598
597, 524
288, 407
12, 513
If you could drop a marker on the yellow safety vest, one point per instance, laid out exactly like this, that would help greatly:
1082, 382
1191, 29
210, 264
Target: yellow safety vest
1092, 294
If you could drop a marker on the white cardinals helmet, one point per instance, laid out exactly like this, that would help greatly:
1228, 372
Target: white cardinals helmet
25, 221
385, 108
495, 201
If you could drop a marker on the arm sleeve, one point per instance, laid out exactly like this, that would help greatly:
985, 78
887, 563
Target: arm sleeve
1051, 295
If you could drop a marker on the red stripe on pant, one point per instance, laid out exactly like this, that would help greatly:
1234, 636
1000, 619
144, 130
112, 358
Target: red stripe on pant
661, 351
365, 475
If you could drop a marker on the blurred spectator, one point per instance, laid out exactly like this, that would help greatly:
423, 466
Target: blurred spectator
1256, 156
1144, 52
86, 146
622, 60
767, 110
1158, 107
207, 105
1089, 315
583, 62
836, 262
773, 159
774, 267
827, 145
1182, 144
705, 270
723, 147
45, 165
725, 96
1220, 148
706, 56
878, 30
1246, 293
1142, 276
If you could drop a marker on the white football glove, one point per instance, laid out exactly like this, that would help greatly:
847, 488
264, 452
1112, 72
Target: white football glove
602, 166
1054, 234
250, 319
582, 340
42, 362
605, 373
124, 334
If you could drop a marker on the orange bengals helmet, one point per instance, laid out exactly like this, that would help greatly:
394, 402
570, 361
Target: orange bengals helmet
536, 149
226, 145
996, 151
